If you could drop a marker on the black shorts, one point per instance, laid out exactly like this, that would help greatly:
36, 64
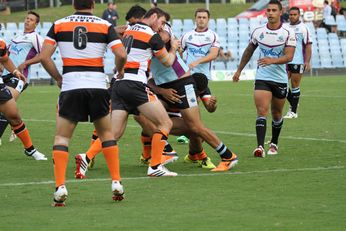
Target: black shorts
185, 87
81, 105
296, 68
12, 81
279, 90
5, 94
127, 95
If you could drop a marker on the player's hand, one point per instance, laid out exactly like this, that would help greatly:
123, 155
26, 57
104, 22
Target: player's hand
121, 29
210, 104
193, 65
21, 67
265, 61
174, 43
59, 83
307, 67
19, 75
170, 95
120, 74
236, 76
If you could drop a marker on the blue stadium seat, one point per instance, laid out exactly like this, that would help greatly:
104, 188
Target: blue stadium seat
21, 26
188, 25
219, 66
330, 21
46, 25
321, 33
212, 24
337, 60
11, 26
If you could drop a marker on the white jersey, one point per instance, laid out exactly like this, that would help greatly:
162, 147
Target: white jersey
303, 38
272, 43
23, 47
197, 45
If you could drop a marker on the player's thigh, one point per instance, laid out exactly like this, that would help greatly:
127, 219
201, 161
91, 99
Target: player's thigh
156, 113
179, 126
14, 92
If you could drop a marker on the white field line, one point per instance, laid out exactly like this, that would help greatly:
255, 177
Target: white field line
183, 175
225, 133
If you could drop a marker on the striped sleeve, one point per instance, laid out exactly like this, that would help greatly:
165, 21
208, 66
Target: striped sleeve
113, 39
51, 36
156, 43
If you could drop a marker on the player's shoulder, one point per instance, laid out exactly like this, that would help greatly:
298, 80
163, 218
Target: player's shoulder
259, 29
141, 27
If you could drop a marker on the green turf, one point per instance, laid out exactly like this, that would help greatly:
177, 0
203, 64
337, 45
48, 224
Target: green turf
176, 10
303, 188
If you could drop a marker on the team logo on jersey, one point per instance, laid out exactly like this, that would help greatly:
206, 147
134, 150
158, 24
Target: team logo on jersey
190, 37
15, 49
192, 100
281, 39
207, 39
261, 36
270, 53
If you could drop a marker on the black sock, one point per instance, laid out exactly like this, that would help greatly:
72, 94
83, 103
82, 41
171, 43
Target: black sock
295, 99
261, 127
168, 147
223, 151
276, 129
289, 96
3, 124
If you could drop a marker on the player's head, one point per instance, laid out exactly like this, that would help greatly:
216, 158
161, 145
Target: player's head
83, 4
156, 18
135, 14
274, 11
202, 18
31, 21
294, 14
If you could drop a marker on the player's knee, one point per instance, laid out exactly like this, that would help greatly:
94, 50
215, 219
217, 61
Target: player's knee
61, 140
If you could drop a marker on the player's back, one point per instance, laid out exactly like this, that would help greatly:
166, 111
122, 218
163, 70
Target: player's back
82, 39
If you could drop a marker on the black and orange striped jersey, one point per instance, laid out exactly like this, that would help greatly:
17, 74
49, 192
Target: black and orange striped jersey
82, 39
141, 43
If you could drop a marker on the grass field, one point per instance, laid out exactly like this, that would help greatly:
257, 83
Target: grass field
303, 188
176, 10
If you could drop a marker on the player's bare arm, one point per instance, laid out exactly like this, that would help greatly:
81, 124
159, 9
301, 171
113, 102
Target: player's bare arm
244, 60
48, 64
167, 58
213, 53
120, 60
307, 57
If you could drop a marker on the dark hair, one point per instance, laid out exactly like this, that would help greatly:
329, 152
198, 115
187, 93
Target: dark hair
135, 11
295, 8
36, 14
160, 13
199, 10
83, 4
276, 2
326, 2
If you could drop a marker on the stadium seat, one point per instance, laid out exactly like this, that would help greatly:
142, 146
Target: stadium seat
34, 69
21, 26
46, 25
330, 21
219, 66
188, 25
315, 61
109, 65
243, 21
321, 33
212, 24
338, 60
232, 66
326, 62
244, 36
43, 74
11, 26
223, 41
221, 27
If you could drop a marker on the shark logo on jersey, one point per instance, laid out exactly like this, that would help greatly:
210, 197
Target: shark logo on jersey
270, 53
207, 39
190, 37
197, 51
261, 36
280, 39
15, 50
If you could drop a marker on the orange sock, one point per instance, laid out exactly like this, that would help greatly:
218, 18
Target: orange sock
157, 145
60, 160
23, 133
198, 155
93, 137
94, 149
110, 151
146, 146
